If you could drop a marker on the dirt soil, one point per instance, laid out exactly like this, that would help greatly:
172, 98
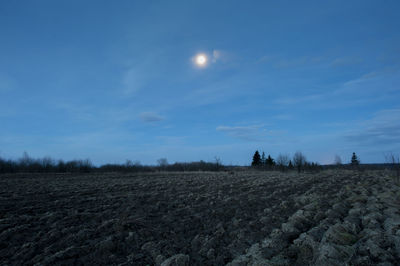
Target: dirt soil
242, 218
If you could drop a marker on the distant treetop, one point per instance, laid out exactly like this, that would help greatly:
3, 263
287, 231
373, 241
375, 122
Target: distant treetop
256, 159
354, 159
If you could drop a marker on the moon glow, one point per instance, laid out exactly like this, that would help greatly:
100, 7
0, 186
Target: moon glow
201, 60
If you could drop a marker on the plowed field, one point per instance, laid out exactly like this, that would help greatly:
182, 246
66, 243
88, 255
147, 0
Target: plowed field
242, 218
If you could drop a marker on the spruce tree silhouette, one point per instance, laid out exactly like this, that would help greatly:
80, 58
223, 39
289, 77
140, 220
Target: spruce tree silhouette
256, 159
354, 159
270, 162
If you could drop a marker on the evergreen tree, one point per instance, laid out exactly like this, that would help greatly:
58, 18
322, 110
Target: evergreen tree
269, 162
256, 159
354, 159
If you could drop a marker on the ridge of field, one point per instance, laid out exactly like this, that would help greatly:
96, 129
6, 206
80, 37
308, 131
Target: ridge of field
200, 218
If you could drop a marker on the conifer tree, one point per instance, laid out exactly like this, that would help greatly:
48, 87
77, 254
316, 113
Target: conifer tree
269, 162
256, 159
354, 159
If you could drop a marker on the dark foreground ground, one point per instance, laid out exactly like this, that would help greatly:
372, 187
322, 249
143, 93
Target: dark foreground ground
247, 218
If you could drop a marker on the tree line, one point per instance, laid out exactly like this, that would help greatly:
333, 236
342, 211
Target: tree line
299, 162
27, 164
282, 162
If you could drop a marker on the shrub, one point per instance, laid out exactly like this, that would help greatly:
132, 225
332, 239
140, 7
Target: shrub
282, 161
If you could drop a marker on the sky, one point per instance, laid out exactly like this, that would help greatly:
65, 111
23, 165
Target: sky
117, 80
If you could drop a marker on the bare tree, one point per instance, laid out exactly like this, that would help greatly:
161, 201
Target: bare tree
338, 160
263, 159
299, 160
128, 163
162, 162
26, 160
218, 162
47, 163
282, 161
85, 165
394, 163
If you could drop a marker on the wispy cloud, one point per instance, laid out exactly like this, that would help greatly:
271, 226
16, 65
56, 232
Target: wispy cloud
293, 62
112, 115
364, 81
382, 129
216, 55
249, 133
371, 87
264, 59
140, 71
215, 92
346, 61
299, 99
280, 62
150, 117
283, 117
375, 81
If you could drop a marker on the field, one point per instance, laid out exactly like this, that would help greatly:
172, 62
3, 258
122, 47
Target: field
235, 218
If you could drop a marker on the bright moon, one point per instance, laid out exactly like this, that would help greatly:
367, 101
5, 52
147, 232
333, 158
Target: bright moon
201, 60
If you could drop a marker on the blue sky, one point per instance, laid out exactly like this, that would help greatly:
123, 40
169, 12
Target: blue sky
115, 80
